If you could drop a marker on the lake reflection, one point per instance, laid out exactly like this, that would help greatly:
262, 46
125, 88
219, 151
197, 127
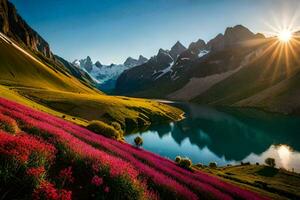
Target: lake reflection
227, 136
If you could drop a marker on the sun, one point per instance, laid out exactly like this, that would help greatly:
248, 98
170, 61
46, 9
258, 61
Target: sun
285, 36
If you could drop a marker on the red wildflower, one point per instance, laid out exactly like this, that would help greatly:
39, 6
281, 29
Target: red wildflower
121, 158
106, 189
97, 181
66, 175
36, 172
65, 195
46, 190
95, 167
21, 147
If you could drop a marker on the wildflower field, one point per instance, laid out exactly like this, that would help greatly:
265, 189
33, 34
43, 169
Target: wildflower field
45, 157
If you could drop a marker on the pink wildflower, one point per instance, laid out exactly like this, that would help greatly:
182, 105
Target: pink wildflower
66, 175
65, 195
97, 181
106, 189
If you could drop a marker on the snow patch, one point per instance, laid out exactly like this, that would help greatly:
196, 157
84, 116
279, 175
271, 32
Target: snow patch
203, 53
184, 58
165, 71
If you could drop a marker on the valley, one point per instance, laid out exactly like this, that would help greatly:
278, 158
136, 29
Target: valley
214, 119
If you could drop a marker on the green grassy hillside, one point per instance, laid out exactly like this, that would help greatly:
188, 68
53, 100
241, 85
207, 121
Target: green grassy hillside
272, 182
22, 69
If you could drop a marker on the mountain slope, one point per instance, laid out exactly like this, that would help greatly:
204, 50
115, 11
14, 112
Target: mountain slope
138, 80
20, 68
269, 82
237, 68
181, 79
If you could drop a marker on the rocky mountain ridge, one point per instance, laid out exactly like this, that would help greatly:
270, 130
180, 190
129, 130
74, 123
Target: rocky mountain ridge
106, 75
13, 25
236, 68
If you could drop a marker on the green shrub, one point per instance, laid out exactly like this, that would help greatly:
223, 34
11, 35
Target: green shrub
116, 125
213, 165
138, 141
178, 159
200, 165
270, 162
104, 129
185, 163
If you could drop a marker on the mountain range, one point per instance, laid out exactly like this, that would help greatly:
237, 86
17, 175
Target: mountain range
106, 75
237, 68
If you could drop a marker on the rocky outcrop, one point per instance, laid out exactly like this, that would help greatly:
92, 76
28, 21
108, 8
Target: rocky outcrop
76, 71
163, 57
12, 25
232, 36
86, 64
141, 60
98, 64
131, 62
176, 50
196, 47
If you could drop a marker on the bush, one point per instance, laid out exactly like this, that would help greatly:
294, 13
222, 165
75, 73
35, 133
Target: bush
138, 141
270, 162
185, 163
178, 159
246, 163
213, 165
104, 129
200, 165
116, 125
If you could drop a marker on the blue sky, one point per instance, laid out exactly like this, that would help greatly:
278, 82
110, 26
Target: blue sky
112, 30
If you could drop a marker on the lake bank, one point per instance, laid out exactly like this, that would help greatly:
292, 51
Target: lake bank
226, 136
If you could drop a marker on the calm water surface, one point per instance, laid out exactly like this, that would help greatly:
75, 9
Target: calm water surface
227, 136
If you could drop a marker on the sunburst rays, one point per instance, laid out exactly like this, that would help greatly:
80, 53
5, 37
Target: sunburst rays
282, 47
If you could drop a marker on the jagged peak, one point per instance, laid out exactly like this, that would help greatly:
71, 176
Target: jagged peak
163, 51
238, 29
88, 58
141, 57
98, 64
198, 45
178, 45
